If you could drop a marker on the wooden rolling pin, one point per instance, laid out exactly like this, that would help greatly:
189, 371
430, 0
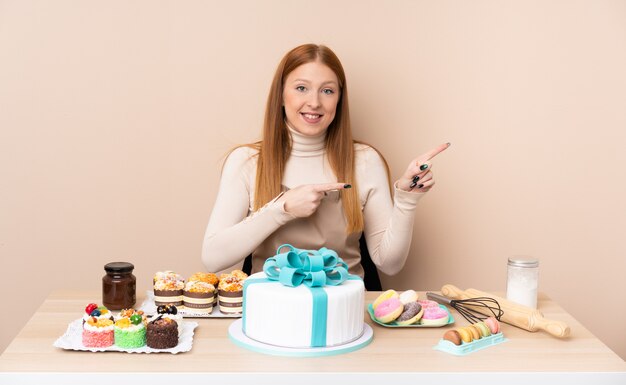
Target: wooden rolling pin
514, 314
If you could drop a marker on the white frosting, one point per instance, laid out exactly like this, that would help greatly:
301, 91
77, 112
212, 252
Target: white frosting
101, 316
282, 316
92, 328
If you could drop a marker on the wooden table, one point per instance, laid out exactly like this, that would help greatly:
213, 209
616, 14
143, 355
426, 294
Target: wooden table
399, 356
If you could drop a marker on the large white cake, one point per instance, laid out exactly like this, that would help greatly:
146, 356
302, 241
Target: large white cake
283, 316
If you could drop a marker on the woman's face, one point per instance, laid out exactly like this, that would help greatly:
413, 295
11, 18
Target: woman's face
310, 98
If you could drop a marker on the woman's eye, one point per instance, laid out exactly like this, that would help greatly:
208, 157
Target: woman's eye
328, 91
301, 88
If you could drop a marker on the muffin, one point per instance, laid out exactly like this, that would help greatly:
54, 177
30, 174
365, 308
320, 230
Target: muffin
168, 288
230, 292
98, 333
199, 297
162, 333
130, 329
208, 278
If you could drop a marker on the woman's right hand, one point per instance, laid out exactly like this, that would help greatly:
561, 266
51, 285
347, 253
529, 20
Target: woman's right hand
304, 200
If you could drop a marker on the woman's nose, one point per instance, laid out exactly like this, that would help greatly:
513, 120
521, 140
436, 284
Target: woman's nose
314, 100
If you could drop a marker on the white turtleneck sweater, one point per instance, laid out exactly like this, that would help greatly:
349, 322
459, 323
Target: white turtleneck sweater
236, 231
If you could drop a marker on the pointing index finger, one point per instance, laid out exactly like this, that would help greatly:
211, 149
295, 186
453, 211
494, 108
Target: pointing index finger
432, 153
330, 186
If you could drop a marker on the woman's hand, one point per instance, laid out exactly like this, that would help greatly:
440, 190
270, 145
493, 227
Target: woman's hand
418, 176
304, 200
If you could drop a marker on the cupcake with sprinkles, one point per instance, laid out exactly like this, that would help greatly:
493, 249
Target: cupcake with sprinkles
130, 329
168, 288
230, 292
98, 333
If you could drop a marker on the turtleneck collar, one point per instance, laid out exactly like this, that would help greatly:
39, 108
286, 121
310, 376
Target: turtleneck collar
304, 145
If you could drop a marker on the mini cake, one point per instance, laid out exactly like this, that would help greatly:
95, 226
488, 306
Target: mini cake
168, 288
171, 312
199, 297
97, 333
99, 312
130, 329
230, 292
162, 333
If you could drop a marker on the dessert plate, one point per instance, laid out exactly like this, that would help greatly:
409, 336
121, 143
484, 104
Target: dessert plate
73, 340
236, 335
149, 308
370, 310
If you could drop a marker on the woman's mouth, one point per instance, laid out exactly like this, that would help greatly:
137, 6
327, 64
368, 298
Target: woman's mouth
311, 118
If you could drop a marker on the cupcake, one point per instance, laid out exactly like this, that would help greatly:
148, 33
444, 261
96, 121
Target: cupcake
199, 297
98, 333
162, 333
130, 329
168, 288
98, 312
208, 278
230, 292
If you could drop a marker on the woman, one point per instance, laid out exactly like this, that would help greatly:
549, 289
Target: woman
308, 183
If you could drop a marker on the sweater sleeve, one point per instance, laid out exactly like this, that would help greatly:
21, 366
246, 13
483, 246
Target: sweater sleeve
388, 223
233, 232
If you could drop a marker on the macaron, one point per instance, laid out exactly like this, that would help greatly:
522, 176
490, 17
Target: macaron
434, 316
484, 329
466, 335
493, 324
412, 313
476, 335
384, 296
452, 336
388, 310
408, 296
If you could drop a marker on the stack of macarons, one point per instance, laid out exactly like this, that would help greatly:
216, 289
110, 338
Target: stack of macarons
405, 309
474, 332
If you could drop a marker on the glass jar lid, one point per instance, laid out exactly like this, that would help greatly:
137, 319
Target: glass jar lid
119, 267
522, 261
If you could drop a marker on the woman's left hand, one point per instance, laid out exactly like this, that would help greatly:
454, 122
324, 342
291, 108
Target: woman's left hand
418, 176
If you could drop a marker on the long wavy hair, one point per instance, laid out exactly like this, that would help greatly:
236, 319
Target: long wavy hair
275, 145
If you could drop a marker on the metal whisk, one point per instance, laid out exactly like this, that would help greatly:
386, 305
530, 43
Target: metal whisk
467, 307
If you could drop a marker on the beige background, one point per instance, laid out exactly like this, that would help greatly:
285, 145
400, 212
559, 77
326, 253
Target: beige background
114, 119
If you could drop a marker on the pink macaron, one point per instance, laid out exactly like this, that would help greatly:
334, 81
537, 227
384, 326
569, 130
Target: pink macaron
493, 324
388, 310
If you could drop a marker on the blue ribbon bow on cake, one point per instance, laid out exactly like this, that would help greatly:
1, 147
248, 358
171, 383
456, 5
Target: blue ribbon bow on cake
313, 268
